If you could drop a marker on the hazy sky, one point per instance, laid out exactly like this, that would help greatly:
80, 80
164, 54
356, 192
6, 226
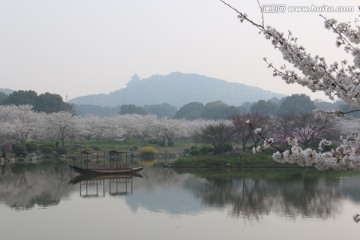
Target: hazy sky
80, 47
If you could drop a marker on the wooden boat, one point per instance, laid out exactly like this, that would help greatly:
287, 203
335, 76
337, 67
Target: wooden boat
103, 171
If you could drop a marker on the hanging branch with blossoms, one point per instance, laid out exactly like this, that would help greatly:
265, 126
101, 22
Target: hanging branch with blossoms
337, 80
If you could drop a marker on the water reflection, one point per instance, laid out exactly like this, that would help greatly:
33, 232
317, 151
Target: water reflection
252, 198
164, 190
23, 187
248, 194
96, 185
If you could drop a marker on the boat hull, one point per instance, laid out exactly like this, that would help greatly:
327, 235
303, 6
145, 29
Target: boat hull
103, 171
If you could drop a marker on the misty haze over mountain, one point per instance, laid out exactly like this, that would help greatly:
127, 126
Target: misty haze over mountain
178, 89
7, 91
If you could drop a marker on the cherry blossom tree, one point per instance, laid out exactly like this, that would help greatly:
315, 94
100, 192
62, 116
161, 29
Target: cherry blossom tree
7, 127
138, 126
60, 125
339, 80
89, 127
18, 123
144, 127
21, 124
107, 128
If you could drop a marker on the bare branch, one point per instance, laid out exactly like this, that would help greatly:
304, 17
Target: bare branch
243, 16
262, 13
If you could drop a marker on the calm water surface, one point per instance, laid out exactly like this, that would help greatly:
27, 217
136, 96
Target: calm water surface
38, 202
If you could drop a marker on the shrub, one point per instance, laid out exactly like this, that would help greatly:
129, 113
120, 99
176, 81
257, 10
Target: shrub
196, 151
19, 149
223, 148
148, 152
31, 147
148, 149
46, 148
206, 150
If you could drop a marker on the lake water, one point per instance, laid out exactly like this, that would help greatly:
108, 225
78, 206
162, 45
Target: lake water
38, 202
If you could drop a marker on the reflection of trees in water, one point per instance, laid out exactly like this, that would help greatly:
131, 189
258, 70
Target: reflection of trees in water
252, 198
41, 185
215, 193
155, 177
246, 196
250, 203
351, 189
310, 198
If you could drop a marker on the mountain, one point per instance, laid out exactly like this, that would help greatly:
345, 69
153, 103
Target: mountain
178, 89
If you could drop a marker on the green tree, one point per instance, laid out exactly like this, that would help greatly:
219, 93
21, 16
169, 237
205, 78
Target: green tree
245, 107
21, 97
50, 103
190, 111
132, 109
264, 108
161, 110
218, 110
46, 102
31, 147
3, 96
296, 104
19, 149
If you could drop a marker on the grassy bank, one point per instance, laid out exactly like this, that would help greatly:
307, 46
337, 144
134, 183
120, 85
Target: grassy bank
259, 160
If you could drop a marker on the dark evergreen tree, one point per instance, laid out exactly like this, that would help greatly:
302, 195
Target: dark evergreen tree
49, 103
21, 97
132, 109
264, 108
296, 104
190, 111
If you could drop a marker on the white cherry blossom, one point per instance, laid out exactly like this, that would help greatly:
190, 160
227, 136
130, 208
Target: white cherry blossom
337, 80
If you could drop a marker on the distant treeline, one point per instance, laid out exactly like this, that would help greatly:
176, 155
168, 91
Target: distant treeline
294, 104
46, 102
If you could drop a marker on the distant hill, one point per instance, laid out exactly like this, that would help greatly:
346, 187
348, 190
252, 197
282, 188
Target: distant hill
178, 89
